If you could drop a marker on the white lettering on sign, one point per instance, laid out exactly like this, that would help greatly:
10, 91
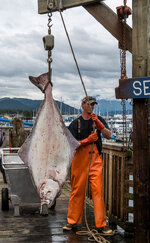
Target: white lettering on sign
146, 86
138, 90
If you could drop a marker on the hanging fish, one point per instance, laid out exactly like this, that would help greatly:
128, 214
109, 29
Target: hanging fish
50, 147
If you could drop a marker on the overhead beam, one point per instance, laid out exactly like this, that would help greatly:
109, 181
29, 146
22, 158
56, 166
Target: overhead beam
42, 4
105, 16
101, 12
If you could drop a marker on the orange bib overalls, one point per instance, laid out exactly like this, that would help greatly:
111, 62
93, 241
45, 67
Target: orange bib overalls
79, 173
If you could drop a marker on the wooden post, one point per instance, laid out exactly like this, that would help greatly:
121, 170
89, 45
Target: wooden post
141, 126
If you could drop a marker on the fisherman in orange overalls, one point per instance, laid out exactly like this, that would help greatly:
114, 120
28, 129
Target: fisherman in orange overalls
82, 129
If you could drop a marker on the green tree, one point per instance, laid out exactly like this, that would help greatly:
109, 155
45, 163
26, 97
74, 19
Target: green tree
27, 114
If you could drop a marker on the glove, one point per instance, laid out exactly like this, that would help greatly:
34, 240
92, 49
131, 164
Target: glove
98, 123
90, 139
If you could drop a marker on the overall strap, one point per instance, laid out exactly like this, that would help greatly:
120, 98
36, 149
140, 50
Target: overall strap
79, 128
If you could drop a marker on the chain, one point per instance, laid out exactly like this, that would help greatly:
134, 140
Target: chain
123, 75
49, 59
49, 21
123, 50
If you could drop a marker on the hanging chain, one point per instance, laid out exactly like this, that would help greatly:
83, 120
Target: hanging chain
49, 20
123, 51
123, 12
49, 59
124, 76
49, 42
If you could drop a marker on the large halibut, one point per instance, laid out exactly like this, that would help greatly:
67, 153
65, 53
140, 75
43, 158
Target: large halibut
50, 147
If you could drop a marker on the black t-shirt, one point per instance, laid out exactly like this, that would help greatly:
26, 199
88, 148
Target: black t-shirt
81, 129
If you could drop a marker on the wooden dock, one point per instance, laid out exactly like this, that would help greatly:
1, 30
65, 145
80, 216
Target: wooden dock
35, 228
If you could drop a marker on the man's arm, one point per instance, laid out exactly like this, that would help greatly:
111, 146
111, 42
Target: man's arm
106, 133
102, 126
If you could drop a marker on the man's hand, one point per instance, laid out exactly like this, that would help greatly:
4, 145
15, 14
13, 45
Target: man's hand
98, 123
94, 117
90, 139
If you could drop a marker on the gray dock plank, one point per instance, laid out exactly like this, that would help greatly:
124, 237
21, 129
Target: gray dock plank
35, 228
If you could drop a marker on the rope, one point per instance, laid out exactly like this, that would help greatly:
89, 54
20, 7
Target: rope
93, 234
73, 52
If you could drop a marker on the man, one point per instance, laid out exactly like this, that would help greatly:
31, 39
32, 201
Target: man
2, 137
83, 130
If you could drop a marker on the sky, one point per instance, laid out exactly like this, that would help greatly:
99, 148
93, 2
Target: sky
22, 53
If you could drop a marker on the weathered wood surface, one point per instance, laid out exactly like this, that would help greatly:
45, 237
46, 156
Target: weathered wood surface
116, 186
141, 124
106, 16
42, 4
34, 228
101, 12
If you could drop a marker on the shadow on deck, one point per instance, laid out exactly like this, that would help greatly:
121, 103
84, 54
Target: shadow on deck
45, 229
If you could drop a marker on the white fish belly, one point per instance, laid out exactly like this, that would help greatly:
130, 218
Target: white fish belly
48, 151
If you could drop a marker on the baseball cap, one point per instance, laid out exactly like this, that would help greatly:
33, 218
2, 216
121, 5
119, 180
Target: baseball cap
90, 99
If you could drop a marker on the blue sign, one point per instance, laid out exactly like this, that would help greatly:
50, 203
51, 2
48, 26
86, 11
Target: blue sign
133, 88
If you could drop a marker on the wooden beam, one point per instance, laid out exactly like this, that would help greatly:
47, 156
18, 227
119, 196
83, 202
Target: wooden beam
141, 122
101, 12
105, 16
42, 4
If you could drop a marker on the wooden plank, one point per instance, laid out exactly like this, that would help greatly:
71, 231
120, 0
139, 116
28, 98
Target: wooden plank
141, 127
129, 196
107, 179
42, 4
110, 184
130, 183
118, 188
105, 16
113, 186
122, 181
130, 210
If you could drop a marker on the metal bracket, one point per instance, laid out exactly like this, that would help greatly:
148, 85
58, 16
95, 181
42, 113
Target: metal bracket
50, 4
54, 3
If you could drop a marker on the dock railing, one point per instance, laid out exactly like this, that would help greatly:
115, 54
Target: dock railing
118, 185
